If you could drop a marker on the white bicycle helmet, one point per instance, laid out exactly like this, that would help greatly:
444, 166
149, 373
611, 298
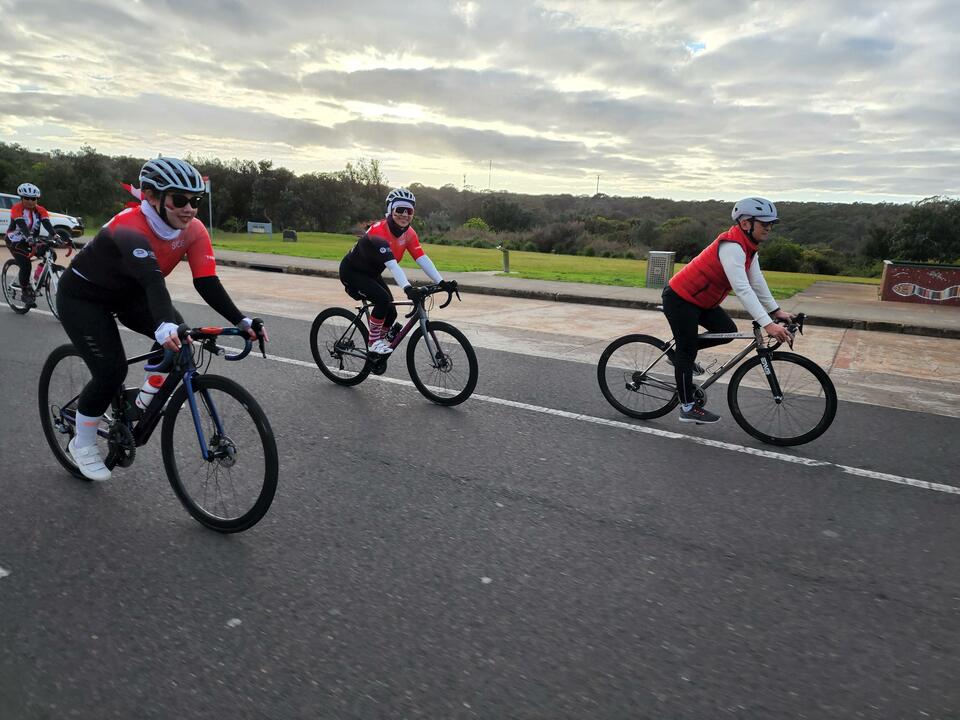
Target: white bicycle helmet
167, 173
400, 197
755, 207
28, 190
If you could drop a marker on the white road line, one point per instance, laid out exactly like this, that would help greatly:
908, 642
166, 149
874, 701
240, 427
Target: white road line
732, 447
670, 435
3, 573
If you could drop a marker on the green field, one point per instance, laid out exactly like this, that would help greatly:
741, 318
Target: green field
538, 266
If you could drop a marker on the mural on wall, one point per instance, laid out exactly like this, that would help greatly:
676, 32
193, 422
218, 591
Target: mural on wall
918, 283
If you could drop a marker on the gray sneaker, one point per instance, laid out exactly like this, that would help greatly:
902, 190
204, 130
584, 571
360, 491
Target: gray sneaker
698, 415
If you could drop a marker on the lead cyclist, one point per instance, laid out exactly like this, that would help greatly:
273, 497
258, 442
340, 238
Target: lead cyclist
121, 273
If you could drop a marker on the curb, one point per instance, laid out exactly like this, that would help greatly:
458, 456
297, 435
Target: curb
528, 294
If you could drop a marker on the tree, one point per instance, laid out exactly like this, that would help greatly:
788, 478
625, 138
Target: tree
929, 232
684, 236
503, 215
781, 254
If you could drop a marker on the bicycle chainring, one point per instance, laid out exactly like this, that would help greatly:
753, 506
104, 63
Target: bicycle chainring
123, 448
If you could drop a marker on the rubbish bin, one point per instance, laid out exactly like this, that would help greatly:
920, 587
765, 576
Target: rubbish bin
659, 268
289, 235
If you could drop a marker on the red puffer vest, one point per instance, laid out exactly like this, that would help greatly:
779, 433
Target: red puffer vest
702, 281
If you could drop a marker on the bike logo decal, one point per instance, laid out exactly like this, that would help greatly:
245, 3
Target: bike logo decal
383, 250
765, 364
908, 289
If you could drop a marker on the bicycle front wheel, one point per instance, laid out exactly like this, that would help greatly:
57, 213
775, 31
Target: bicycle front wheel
792, 404
636, 378
337, 338
12, 292
231, 489
444, 369
51, 286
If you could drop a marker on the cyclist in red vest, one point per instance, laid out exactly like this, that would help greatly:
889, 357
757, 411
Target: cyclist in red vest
693, 296
381, 247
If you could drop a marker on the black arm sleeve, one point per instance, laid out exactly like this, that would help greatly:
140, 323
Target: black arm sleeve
138, 261
49, 226
22, 226
214, 295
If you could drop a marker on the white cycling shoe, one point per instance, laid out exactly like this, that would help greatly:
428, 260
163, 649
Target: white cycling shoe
88, 461
381, 347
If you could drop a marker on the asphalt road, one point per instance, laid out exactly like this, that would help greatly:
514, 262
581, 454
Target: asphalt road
539, 558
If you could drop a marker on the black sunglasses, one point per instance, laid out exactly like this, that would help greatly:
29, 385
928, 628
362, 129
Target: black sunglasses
766, 225
180, 201
403, 211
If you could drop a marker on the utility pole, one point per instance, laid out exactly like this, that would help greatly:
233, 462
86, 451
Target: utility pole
598, 184
464, 181
489, 174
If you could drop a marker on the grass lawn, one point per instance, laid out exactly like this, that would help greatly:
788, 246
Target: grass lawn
538, 266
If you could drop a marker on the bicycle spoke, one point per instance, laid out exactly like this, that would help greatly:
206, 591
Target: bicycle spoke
228, 483
635, 377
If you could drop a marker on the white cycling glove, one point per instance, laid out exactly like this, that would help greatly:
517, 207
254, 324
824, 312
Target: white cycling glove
164, 331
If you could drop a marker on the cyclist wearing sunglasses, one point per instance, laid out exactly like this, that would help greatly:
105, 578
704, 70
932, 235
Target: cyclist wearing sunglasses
693, 296
26, 219
121, 273
381, 247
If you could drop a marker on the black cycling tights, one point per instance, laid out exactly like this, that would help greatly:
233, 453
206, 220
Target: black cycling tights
685, 318
361, 286
21, 256
89, 321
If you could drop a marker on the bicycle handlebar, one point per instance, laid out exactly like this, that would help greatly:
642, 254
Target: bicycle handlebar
428, 290
207, 334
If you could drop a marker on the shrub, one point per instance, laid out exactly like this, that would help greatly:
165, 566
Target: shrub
476, 223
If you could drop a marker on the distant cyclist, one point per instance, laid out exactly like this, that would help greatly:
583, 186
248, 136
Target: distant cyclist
121, 273
26, 219
693, 296
381, 247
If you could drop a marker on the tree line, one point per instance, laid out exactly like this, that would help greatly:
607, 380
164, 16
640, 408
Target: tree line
829, 238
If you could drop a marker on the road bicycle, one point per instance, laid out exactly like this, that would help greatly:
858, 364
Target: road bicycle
441, 361
44, 279
218, 448
778, 397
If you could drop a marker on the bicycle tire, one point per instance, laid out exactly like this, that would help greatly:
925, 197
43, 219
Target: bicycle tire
447, 377
809, 402
330, 338
51, 286
640, 354
177, 448
11, 274
56, 439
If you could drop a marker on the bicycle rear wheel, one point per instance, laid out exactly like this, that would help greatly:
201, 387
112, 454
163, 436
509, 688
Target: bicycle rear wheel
63, 376
51, 286
807, 404
335, 338
232, 489
448, 373
636, 378
12, 292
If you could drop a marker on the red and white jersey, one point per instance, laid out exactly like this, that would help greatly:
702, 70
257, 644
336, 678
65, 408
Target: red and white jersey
32, 218
193, 242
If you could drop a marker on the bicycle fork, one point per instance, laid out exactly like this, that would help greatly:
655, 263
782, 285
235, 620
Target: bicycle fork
195, 413
767, 367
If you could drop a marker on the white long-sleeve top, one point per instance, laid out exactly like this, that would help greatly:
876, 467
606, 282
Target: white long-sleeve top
750, 286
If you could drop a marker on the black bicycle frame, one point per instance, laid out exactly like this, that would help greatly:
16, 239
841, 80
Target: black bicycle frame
183, 370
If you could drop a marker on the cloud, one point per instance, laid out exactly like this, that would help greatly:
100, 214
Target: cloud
815, 96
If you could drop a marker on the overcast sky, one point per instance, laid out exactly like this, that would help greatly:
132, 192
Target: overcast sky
688, 99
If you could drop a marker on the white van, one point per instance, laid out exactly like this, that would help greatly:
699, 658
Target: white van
66, 225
